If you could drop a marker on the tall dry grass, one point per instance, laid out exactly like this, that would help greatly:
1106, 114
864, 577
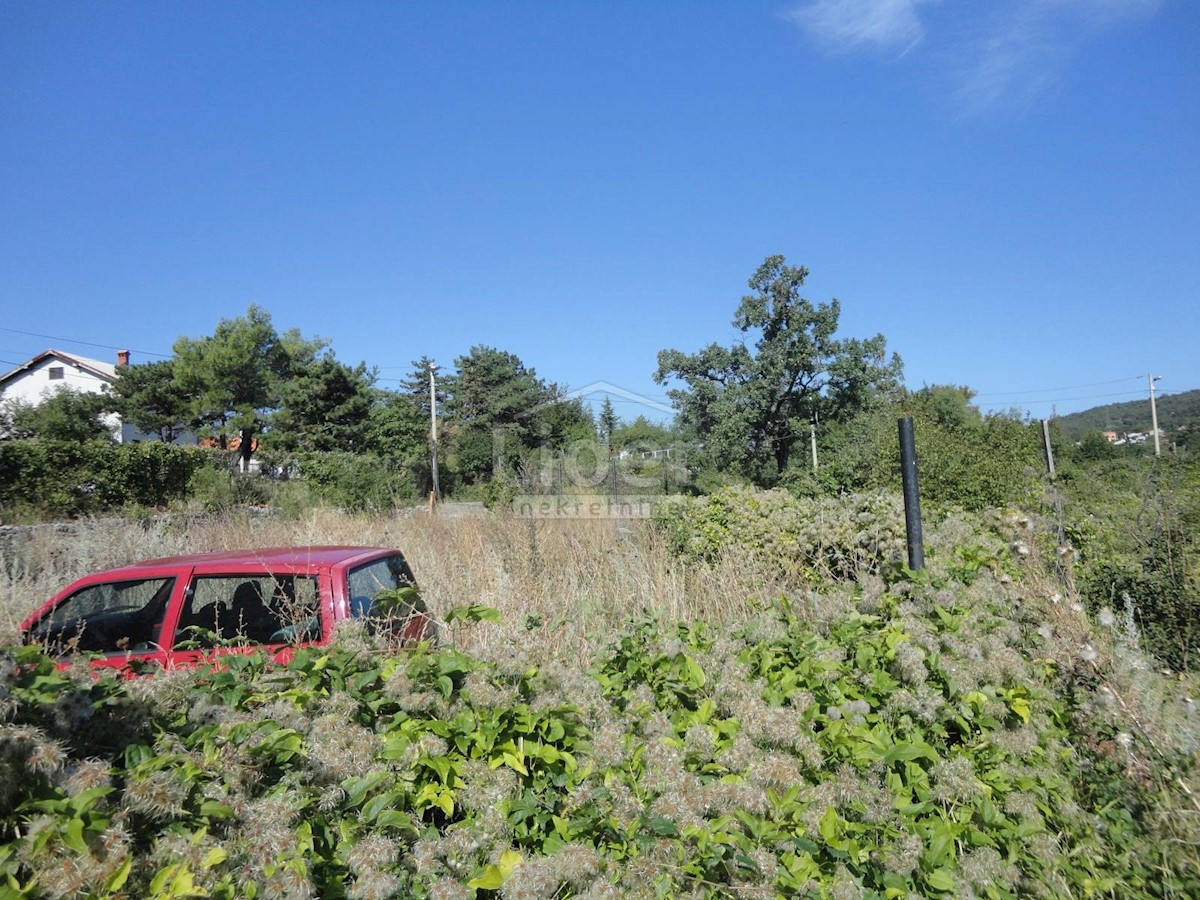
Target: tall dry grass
561, 583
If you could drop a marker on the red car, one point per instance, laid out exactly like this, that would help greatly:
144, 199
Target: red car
180, 610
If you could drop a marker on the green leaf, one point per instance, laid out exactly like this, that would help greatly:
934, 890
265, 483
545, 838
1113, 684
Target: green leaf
476, 612
831, 826
1020, 706
117, 879
941, 879
494, 876
663, 826
74, 836
910, 750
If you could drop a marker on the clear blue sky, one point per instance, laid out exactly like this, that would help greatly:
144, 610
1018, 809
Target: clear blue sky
1009, 191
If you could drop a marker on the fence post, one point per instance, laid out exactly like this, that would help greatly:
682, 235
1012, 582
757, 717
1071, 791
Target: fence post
912, 495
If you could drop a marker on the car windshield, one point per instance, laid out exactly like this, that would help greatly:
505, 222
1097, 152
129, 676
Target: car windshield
256, 609
113, 617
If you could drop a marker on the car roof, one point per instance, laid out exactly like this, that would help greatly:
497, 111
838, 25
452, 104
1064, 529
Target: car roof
266, 557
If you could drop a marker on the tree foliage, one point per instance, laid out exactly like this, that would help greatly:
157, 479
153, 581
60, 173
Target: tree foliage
324, 406
751, 405
503, 411
642, 434
416, 385
65, 415
237, 374
607, 424
1175, 411
152, 399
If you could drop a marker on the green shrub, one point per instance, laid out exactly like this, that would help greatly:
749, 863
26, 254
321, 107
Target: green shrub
71, 478
356, 482
827, 537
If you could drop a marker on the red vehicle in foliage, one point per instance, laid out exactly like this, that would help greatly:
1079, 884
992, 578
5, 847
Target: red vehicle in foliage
181, 610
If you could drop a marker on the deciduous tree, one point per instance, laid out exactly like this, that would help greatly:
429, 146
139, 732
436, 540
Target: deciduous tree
751, 403
66, 415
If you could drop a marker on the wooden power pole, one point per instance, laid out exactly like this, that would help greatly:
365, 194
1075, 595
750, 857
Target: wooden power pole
1154, 412
435, 495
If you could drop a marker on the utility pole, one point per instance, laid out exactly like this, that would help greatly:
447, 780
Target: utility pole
1154, 411
812, 438
1049, 448
435, 495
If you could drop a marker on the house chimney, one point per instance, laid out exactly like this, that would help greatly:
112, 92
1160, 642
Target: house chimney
122, 358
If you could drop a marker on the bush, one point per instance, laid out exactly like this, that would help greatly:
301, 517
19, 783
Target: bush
1166, 607
356, 482
825, 537
219, 487
914, 750
70, 478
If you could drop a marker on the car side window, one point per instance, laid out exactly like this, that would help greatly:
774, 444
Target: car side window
113, 617
249, 608
367, 581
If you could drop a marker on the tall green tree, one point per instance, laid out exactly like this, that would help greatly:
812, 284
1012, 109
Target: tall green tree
325, 405
751, 403
236, 375
608, 422
399, 429
494, 400
642, 434
560, 422
416, 384
151, 398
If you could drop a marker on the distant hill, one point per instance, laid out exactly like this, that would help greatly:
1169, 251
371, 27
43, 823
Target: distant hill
1174, 410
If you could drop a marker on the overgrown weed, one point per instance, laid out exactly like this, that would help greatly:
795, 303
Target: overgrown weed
639, 722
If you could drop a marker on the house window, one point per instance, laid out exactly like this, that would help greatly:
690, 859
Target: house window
56, 373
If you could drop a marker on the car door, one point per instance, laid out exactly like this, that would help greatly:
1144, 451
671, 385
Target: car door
242, 611
121, 619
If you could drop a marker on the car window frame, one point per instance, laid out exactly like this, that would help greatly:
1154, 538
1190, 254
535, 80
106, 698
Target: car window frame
280, 651
122, 659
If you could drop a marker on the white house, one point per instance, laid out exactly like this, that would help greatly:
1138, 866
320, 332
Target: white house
48, 372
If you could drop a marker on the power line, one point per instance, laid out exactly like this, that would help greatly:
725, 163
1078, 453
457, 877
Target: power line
1062, 399
67, 340
1073, 387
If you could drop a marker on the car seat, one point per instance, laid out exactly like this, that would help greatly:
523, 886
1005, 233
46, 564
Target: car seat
250, 617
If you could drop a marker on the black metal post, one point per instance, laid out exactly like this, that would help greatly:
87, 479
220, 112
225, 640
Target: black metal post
912, 495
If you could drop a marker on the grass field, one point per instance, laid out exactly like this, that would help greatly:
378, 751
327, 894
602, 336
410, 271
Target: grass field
566, 580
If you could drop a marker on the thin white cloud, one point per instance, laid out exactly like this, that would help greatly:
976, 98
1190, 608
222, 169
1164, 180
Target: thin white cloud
851, 24
1005, 52
1025, 48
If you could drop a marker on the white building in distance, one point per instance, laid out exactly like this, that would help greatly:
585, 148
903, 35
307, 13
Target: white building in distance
52, 371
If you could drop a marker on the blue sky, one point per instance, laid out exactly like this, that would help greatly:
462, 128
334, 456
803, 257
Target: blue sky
1009, 191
